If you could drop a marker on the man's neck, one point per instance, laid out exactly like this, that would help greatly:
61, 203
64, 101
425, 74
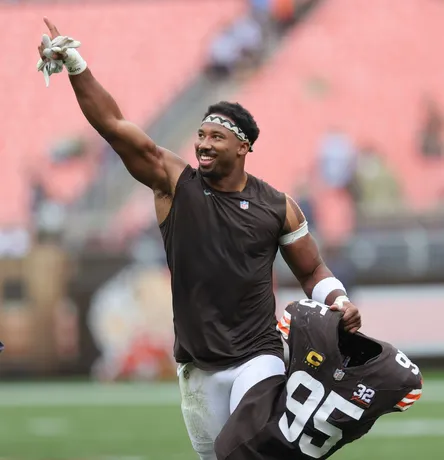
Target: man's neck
233, 183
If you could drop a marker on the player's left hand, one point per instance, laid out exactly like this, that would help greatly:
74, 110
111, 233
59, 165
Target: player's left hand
351, 318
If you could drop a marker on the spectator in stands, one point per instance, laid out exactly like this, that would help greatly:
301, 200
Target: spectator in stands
224, 56
337, 159
376, 188
239, 48
250, 38
335, 170
431, 136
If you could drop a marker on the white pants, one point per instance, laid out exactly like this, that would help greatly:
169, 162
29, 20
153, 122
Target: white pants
209, 397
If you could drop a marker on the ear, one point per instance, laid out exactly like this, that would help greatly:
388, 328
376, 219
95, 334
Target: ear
243, 149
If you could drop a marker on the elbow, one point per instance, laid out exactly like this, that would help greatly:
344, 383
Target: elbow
109, 130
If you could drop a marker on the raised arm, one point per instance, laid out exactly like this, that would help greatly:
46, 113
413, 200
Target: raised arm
301, 253
150, 164
154, 166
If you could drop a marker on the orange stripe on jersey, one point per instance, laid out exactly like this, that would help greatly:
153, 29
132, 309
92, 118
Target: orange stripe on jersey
409, 400
415, 392
412, 397
403, 407
285, 320
404, 404
285, 330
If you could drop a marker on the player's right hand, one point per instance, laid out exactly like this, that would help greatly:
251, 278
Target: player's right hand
53, 51
50, 48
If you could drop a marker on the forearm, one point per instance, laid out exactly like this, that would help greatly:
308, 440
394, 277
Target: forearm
309, 282
98, 106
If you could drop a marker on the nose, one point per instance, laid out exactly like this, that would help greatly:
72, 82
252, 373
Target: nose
205, 144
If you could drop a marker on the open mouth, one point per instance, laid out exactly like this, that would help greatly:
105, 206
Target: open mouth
206, 160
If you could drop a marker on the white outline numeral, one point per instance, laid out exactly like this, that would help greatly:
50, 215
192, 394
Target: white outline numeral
303, 412
402, 359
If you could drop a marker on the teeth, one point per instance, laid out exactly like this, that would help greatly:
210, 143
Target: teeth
206, 158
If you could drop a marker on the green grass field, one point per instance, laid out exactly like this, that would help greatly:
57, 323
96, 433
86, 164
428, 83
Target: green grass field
143, 422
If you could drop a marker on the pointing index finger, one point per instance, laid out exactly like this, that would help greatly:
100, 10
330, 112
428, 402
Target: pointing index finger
52, 28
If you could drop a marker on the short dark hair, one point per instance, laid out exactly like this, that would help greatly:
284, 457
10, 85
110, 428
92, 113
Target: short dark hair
240, 115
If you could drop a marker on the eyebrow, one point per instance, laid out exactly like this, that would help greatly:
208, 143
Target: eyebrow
212, 131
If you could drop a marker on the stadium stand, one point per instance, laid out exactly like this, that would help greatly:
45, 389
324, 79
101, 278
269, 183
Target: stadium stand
350, 64
354, 65
133, 52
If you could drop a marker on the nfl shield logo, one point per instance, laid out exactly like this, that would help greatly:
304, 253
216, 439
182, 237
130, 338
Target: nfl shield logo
244, 204
339, 374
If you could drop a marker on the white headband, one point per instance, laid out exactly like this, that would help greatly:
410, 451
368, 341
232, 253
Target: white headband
226, 123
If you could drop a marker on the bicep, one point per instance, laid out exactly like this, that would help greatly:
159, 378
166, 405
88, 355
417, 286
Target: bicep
150, 164
302, 256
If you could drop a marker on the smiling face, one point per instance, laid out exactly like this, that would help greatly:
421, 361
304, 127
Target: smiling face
218, 151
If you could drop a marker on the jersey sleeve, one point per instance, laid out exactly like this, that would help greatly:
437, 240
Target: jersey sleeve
284, 324
412, 388
409, 399
187, 174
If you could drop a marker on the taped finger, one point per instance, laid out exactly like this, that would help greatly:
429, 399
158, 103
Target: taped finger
46, 41
47, 53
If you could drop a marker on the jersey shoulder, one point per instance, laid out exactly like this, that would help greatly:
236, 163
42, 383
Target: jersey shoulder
261, 185
187, 174
267, 192
406, 379
306, 313
395, 378
269, 197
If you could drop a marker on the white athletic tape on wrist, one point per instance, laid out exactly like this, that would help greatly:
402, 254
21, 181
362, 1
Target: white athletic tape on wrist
340, 300
74, 63
290, 238
325, 287
60, 45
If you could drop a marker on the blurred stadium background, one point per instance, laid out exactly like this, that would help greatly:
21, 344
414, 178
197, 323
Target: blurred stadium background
349, 96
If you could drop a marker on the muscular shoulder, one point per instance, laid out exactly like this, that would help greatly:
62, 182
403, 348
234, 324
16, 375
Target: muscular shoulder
177, 171
294, 217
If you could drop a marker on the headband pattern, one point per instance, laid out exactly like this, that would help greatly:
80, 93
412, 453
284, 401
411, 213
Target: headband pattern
228, 124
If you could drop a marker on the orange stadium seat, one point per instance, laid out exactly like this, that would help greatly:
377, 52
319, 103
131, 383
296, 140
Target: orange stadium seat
142, 52
365, 66
373, 64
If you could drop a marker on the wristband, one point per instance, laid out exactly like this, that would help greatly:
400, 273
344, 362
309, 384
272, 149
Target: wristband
73, 62
324, 287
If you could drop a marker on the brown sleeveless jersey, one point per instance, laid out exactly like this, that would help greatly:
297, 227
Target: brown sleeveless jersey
327, 399
220, 249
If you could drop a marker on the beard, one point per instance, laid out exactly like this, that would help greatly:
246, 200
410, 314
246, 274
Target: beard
210, 174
